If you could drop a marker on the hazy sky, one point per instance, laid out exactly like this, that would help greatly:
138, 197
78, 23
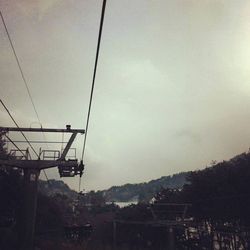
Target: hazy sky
172, 88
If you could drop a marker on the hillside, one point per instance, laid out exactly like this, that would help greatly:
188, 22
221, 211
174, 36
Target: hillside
124, 193
54, 187
134, 192
144, 191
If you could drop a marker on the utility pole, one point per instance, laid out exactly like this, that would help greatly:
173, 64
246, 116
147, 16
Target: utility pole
114, 234
29, 207
31, 170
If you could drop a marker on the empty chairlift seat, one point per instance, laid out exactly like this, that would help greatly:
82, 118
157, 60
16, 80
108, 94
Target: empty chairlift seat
71, 170
66, 171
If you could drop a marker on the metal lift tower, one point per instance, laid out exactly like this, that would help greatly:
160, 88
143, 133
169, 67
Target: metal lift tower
31, 170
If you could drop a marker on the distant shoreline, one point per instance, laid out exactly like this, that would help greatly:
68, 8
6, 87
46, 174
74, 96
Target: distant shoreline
122, 204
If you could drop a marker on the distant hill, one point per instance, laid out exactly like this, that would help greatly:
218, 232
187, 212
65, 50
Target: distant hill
128, 192
144, 191
54, 187
133, 192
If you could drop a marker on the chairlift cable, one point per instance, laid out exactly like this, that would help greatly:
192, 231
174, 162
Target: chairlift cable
93, 81
62, 142
12, 118
27, 88
21, 71
14, 145
94, 75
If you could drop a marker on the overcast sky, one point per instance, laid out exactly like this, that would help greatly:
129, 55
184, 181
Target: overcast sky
172, 88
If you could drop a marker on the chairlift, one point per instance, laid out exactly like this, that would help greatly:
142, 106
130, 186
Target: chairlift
71, 171
66, 171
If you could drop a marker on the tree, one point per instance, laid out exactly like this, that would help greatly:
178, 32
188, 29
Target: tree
221, 192
3, 149
10, 201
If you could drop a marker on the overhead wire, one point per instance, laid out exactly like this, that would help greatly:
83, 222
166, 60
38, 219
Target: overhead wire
51, 142
25, 82
12, 118
21, 71
93, 81
80, 181
15, 145
19, 65
94, 76
62, 142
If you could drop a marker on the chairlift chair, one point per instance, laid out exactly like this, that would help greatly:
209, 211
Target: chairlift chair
70, 171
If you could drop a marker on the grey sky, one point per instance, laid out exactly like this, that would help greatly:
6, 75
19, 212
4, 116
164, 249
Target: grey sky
172, 88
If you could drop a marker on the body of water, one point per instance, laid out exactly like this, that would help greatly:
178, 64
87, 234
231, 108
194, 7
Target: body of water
123, 203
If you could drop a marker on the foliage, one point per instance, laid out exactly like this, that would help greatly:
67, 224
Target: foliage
220, 193
3, 149
169, 195
11, 201
11, 204
55, 187
49, 216
139, 212
144, 192
95, 198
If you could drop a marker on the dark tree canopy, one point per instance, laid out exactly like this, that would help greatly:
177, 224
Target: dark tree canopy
218, 193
